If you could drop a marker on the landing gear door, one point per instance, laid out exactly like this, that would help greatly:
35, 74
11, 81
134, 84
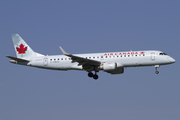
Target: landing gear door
153, 56
45, 61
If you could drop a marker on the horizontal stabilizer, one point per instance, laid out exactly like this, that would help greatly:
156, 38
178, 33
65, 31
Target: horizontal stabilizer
17, 59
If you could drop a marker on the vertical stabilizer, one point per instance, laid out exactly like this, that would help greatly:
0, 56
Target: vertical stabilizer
22, 49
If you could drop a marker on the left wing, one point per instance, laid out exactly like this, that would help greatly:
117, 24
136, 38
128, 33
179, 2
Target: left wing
81, 60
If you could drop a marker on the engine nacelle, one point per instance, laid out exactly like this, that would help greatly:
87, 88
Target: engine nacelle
109, 66
117, 71
113, 68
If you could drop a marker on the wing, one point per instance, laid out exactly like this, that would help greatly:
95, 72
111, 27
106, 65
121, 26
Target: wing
81, 60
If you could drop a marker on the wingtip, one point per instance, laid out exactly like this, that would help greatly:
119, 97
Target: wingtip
14, 34
7, 56
63, 51
60, 48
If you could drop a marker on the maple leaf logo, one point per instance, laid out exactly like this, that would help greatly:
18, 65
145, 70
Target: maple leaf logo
21, 49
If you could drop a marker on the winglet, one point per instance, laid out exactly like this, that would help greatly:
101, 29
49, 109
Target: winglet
64, 52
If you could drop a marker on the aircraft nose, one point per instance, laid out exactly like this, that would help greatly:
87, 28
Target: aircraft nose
172, 60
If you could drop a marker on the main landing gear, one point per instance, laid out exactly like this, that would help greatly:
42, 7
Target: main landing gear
156, 67
95, 76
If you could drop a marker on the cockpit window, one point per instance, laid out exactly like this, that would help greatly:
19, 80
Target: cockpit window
162, 54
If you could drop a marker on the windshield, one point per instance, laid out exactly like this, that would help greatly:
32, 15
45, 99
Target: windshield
162, 54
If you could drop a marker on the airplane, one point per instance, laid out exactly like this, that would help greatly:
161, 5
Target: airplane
110, 62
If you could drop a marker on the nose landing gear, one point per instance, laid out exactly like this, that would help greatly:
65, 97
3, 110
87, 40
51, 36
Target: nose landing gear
95, 76
156, 67
157, 72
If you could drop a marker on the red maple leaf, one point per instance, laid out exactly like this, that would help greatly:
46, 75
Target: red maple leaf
21, 49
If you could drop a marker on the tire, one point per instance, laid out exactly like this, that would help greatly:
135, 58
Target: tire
90, 74
95, 77
157, 72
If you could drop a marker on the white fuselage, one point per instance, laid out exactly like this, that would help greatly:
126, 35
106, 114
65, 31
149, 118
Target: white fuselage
123, 59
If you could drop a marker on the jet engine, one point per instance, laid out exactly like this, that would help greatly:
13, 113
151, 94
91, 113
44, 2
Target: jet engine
113, 68
109, 66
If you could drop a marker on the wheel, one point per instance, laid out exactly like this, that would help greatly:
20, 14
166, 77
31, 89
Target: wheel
95, 77
157, 72
90, 74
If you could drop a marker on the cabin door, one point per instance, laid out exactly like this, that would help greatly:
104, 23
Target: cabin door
152, 56
45, 61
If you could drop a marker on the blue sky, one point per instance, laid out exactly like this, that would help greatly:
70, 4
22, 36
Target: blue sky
86, 27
